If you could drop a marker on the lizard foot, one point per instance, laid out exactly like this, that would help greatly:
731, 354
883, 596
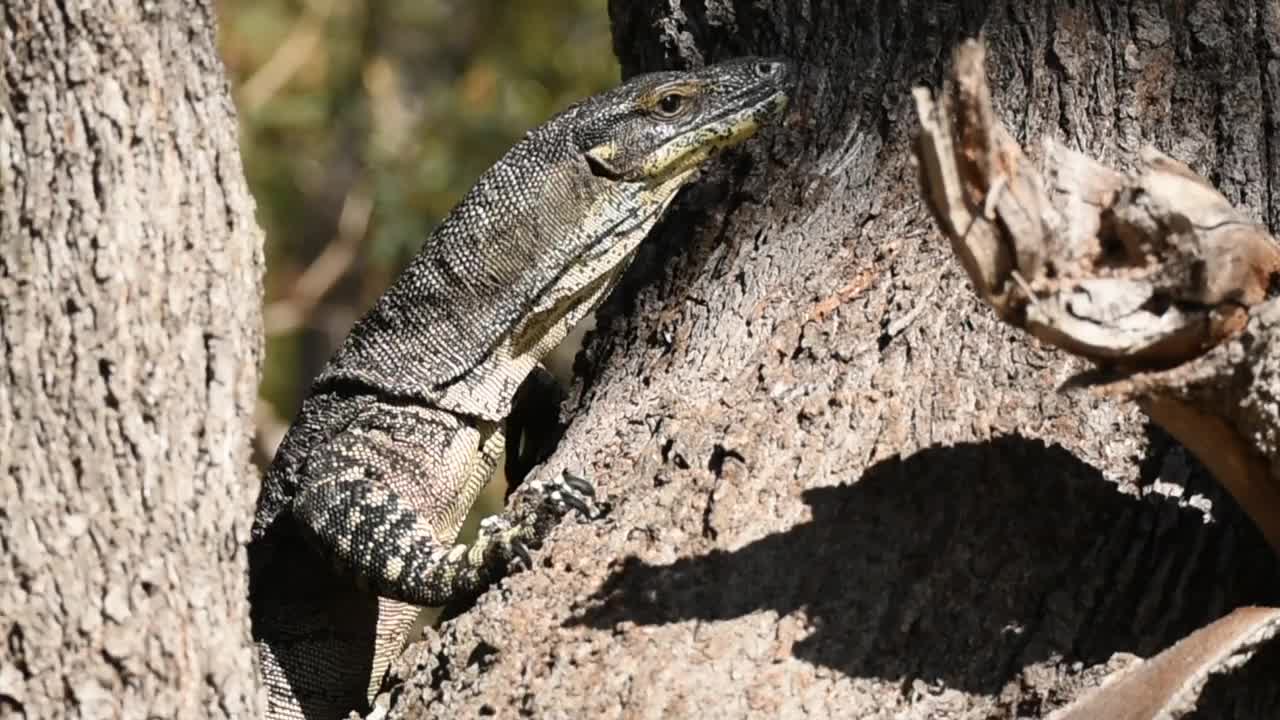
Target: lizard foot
568, 491
499, 540
506, 539
541, 505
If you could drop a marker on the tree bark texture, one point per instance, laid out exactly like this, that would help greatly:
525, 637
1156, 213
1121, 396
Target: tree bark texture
130, 345
841, 487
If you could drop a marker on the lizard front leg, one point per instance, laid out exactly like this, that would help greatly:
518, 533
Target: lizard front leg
382, 502
385, 498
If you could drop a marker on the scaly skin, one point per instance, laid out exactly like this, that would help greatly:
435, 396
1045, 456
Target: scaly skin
360, 509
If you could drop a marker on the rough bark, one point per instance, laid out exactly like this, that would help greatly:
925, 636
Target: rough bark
130, 343
842, 487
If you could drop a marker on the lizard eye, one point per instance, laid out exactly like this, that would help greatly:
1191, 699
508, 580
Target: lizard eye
670, 105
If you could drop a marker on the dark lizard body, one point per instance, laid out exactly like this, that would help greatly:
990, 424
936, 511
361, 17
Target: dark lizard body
360, 509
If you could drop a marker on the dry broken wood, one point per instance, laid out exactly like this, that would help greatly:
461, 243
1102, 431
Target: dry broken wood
1167, 685
1159, 281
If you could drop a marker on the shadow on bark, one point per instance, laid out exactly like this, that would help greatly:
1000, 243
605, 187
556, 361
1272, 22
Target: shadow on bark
1010, 513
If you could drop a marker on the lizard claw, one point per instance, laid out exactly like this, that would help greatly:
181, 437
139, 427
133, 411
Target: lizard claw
578, 483
574, 502
567, 492
571, 491
493, 526
522, 552
499, 533
541, 506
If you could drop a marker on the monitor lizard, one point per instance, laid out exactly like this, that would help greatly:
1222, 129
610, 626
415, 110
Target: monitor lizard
357, 519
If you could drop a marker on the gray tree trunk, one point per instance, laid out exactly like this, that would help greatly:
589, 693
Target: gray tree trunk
842, 488
130, 343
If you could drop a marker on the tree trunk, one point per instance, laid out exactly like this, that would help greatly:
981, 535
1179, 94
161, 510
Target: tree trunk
130, 343
841, 487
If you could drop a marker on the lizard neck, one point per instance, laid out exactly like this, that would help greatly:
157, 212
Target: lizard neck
533, 245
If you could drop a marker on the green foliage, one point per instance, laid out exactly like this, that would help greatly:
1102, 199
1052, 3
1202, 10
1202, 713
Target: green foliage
363, 123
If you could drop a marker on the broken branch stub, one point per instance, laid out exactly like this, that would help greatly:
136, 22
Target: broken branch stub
1142, 273
1137, 271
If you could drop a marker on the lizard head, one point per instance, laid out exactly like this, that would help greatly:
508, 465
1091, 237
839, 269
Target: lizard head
658, 128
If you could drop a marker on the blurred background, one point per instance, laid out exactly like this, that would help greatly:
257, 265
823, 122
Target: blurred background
362, 123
